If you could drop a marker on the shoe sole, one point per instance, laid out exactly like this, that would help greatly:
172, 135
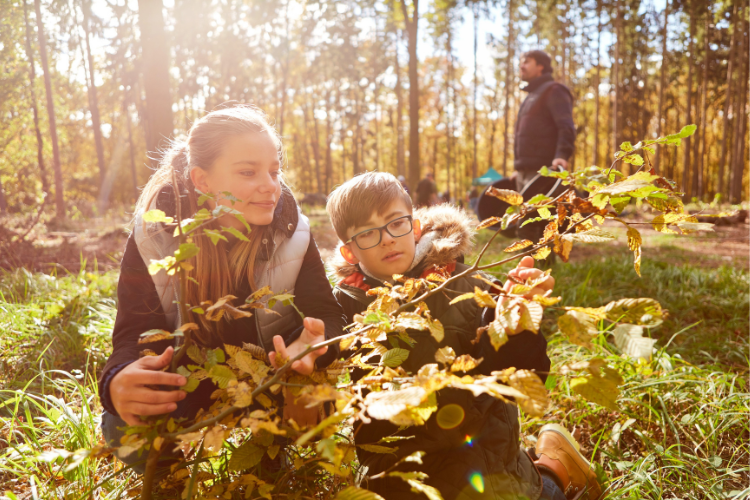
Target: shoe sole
563, 432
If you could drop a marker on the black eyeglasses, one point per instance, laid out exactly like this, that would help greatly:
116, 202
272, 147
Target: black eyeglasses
372, 237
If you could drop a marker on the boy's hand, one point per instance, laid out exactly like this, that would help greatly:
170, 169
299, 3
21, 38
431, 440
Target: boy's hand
526, 270
313, 333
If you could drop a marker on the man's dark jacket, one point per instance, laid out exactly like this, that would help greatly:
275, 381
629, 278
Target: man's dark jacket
544, 128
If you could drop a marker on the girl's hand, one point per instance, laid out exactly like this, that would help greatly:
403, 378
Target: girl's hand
132, 398
313, 333
526, 270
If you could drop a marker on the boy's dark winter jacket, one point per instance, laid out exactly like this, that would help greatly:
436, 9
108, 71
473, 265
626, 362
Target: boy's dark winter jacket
486, 443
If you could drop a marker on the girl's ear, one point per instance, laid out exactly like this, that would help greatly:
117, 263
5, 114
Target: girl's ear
417, 230
199, 178
348, 255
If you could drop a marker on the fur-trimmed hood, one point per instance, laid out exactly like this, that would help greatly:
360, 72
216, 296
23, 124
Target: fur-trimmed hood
447, 234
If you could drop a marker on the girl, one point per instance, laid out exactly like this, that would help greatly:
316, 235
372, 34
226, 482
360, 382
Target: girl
231, 150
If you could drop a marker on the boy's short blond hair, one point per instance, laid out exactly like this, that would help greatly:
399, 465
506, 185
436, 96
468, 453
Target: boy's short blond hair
353, 203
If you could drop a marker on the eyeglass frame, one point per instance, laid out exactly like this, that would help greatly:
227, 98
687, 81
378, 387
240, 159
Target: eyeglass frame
380, 232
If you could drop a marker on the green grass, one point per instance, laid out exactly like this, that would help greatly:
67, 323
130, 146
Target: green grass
682, 430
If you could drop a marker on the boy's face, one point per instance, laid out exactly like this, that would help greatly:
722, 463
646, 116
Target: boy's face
390, 256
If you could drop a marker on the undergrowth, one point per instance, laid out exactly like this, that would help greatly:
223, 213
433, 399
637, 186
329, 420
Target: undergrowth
682, 431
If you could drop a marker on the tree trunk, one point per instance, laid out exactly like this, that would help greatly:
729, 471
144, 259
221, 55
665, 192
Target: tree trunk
699, 185
449, 167
598, 79
315, 140
412, 22
493, 124
155, 72
615, 77
329, 137
32, 89
59, 201
93, 99
662, 82
474, 100
739, 138
686, 156
400, 153
131, 149
508, 92
736, 22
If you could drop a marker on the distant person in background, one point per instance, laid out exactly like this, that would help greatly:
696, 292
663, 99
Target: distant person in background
445, 197
545, 132
474, 199
404, 185
427, 191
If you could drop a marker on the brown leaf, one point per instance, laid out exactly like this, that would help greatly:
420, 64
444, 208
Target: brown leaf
583, 207
550, 231
507, 195
531, 386
465, 363
562, 212
489, 222
518, 245
634, 243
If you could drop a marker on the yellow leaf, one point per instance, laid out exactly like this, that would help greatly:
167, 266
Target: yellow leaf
542, 253
465, 363
243, 395
445, 355
562, 247
253, 367
546, 301
497, 334
436, 330
489, 222
347, 342
634, 243
383, 405
529, 384
601, 390
518, 245
354, 493
531, 316
461, 297
596, 235
214, 438
578, 327
483, 298
273, 450
158, 441
508, 196
642, 311
550, 231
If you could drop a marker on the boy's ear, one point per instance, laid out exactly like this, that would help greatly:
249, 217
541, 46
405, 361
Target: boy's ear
417, 230
348, 255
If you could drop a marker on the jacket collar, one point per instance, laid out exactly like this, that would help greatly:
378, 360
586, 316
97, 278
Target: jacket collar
538, 82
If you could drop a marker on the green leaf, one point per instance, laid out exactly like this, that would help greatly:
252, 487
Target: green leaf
394, 357
687, 131
204, 197
221, 375
544, 213
236, 233
245, 457
538, 199
634, 159
214, 235
626, 146
241, 218
374, 448
186, 251
166, 263
157, 216
619, 203
285, 298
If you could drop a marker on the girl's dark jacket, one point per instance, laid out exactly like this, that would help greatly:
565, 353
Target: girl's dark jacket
486, 443
139, 306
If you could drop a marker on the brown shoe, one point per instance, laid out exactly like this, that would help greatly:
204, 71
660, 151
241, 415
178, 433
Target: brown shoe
559, 453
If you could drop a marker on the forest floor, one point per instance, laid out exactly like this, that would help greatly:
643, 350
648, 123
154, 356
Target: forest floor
681, 431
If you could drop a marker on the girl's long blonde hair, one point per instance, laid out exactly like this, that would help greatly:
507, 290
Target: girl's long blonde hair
219, 269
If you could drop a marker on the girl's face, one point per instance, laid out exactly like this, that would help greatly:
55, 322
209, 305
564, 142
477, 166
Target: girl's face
249, 168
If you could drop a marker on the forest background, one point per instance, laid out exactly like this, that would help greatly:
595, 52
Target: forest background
89, 88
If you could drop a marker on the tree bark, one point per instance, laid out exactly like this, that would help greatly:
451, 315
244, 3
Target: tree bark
699, 187
598, 79
400, 153
739, 138
474, 100
329, 138
155, 72
131, 149
508, 92
686, 156
735, 21
32, 91
662, 82
59, 201
412, 22
449, 166
615, 77
93, 98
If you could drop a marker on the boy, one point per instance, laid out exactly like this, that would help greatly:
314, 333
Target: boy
481, 456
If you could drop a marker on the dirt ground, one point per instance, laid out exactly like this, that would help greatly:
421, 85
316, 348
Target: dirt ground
99, 243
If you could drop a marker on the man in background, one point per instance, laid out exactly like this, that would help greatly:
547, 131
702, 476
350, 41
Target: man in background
427, 191
545, 133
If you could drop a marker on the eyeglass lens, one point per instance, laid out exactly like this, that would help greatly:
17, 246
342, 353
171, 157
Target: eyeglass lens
396, 228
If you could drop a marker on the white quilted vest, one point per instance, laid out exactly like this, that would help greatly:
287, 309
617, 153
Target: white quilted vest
279, 272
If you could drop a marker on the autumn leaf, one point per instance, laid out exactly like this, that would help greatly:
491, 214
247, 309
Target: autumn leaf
483, 298
578, 327
374, 448
384, 405
489, 222
154, 336
518, 245
642, 311
629, 339
563, 247
157, 216
354, 493
603, 390
221, 375
445, 355
550, 231
497, 334
253, 367
596, 235
531, 386
245, 457
394, 357
469, 295
634, 243
542, 253
465, 363
507, 195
